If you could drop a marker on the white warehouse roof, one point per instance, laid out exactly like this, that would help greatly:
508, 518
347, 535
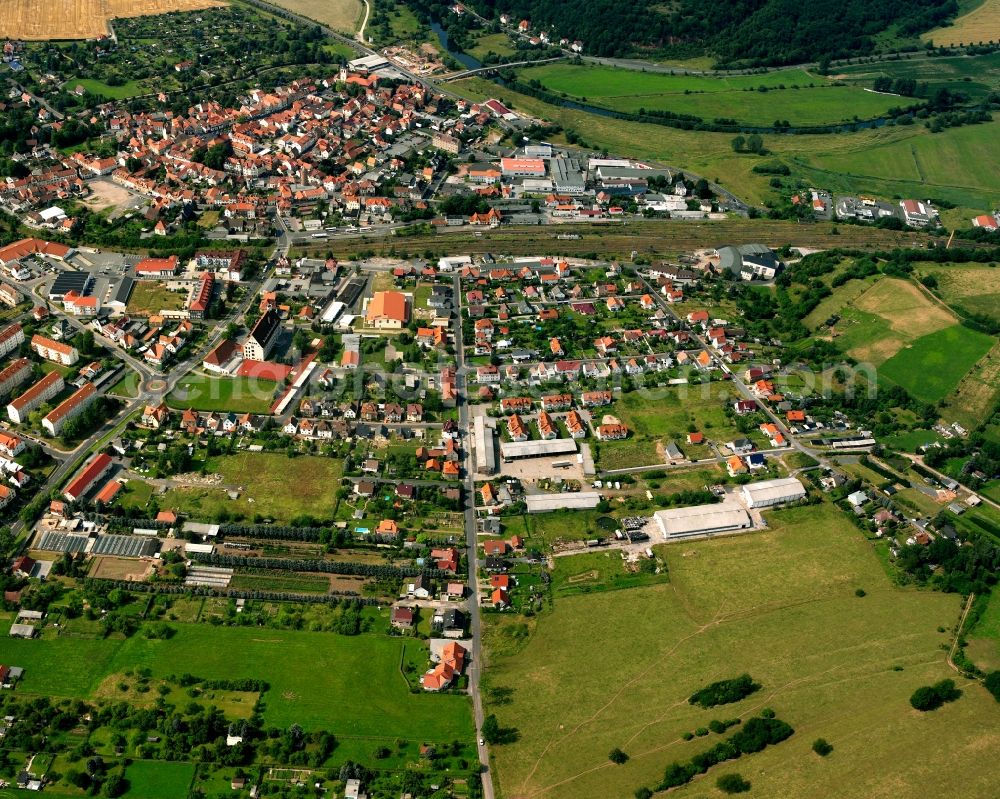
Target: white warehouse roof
537, 449
772, 492
700, 519
576, 500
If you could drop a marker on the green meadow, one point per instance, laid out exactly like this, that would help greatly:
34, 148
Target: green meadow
932, 366
614, 669
322, 681
793, 95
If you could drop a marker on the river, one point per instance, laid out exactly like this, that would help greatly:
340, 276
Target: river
464, 59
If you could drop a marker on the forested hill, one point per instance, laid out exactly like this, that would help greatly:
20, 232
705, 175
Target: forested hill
748, 32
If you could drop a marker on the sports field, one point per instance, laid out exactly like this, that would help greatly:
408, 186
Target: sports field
960, 165
341, 15
322, 681
238, 394
932, 366
793, 95
81, 19
609, 670
981, 24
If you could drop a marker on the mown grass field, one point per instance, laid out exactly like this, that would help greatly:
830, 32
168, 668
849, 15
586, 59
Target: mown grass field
609, 670
341, 15
150, 297
129, 89
238, 394
793, 95
156, 779
932, 366
961, 164
322, 681
271, 485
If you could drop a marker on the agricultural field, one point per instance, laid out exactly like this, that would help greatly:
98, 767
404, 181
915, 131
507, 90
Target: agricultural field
973, 288
270, 485
81, 19
341, 15
780, 605
980, 24
931, 367
208, 393
960, 165
883, 317
322, 681
793, 95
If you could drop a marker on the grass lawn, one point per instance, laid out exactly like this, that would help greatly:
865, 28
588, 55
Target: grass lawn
933, 365
347, 685
158, 779
129, 89
615, 669
150, 297
127, 386
270, 484
238, 394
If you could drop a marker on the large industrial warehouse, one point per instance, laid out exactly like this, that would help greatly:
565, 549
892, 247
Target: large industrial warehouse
677, 523
511, 450
773, 492
574, 500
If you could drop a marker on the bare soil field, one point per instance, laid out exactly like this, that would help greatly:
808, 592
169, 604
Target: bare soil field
107, 194
341, 15
109, 568
905, 307
81, 19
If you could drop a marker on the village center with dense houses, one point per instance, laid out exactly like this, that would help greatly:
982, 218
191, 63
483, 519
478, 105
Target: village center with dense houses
339, 405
